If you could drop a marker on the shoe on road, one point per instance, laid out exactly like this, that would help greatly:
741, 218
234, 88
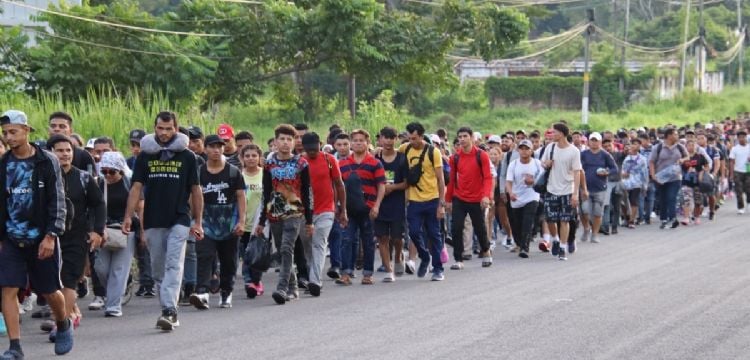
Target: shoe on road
167, 321
200, 301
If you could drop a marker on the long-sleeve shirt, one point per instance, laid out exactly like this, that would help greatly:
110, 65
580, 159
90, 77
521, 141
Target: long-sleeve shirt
88, 202
474, 181
286, 190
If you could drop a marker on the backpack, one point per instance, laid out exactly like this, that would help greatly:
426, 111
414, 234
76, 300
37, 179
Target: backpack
415, 172
683, 152
355, 198
479, 162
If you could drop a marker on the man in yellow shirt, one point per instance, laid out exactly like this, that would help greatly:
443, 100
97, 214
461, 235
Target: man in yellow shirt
426, 197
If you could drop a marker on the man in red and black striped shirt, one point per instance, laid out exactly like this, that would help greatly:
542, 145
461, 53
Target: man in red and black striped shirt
364, 179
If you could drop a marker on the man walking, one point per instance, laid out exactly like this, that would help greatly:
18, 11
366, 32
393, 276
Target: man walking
665, 170
597, 165
32, 217
524, 201
739, 170
469, 192
166, 175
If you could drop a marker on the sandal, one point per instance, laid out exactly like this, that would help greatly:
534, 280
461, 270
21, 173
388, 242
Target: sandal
367, 280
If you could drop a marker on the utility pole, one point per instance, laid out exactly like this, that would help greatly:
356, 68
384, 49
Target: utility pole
625, 37
701, 48
586, 55
683, 62
741, 56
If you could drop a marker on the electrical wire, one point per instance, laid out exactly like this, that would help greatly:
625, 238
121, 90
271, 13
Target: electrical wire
118, 48
644, 49
726, 57
57, 13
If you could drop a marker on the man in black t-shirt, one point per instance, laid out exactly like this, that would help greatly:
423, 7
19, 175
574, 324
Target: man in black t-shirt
168, 172
224, 218
62, 123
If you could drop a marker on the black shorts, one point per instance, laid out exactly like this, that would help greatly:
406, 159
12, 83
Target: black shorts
558, 208
634, 196
21, 266
392, 229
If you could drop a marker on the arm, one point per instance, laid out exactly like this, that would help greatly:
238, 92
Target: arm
267, 185
133, 198
340, 194
97, 208
487, 181
451, 185
196, 205
241, 210
577, 186
441, 188
307, 200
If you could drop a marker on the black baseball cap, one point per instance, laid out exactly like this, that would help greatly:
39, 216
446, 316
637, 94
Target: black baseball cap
311, 140
214, 139
136, 135
195, 132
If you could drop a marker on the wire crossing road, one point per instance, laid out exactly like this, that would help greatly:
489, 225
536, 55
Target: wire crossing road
643, 294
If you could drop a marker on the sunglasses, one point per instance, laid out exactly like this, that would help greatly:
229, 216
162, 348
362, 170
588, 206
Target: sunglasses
110, 172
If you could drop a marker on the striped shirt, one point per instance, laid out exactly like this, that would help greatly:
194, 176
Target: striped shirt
371, 174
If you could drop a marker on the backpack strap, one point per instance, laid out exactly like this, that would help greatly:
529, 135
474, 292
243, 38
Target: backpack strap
455, 165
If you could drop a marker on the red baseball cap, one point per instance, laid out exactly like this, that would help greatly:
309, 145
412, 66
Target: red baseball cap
548, 134
225, 132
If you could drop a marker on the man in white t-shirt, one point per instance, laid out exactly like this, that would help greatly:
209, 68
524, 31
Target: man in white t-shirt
563, 161
524, 201
739, 170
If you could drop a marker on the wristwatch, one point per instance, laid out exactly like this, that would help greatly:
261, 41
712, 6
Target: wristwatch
52, 234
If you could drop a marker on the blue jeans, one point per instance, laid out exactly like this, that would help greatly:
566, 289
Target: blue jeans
334, 244
190, 276
667, 197
350, 244
646, 205
424, 215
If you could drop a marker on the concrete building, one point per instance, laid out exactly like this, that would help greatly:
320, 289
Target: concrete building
15, 15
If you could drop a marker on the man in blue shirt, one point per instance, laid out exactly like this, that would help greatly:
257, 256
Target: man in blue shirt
597, 165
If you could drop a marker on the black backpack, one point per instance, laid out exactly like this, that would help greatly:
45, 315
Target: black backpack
355, 198
415, 172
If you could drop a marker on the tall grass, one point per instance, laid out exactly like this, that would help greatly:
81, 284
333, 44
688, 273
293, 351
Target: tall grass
107, 113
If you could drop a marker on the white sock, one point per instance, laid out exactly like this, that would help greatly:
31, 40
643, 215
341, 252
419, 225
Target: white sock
547, 237
557, 238
564, 247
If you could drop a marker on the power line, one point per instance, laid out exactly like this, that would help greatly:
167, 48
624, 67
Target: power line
111, 24
118, 48
645, 49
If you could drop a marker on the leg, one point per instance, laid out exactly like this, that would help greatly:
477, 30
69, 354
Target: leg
350, 244
528, 218
432, 228
119, 271
415, 221
10, 312
174, 259
144, 266
190, 277
227, 254
516, 219
288, 230
368, 245
458, 215
317, 261
206, 256
334, 245
502, 211
476, 213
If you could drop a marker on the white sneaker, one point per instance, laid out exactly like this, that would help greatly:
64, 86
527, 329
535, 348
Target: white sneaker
225, 302
200, 301
97, 303
740, 211
28, 304
411, 267
653, 215
389, 277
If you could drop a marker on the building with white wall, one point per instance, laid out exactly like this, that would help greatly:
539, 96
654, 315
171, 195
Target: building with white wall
13, 15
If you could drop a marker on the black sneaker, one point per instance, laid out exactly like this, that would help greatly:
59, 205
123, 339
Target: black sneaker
314, 289
562, 256
663, 225
140, 292
675, 224
333, 273
83, 289
522, 254
711, 216
555, 248
302, 284
167, 321
604, 231
572, 245
614, 232
279, 296
149, 293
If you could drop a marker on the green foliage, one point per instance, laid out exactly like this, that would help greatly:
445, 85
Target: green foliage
13, 55
538, 88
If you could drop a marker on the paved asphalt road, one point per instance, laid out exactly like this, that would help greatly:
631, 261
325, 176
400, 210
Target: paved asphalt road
643, 294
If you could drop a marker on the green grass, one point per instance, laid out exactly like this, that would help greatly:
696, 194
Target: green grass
114, 115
